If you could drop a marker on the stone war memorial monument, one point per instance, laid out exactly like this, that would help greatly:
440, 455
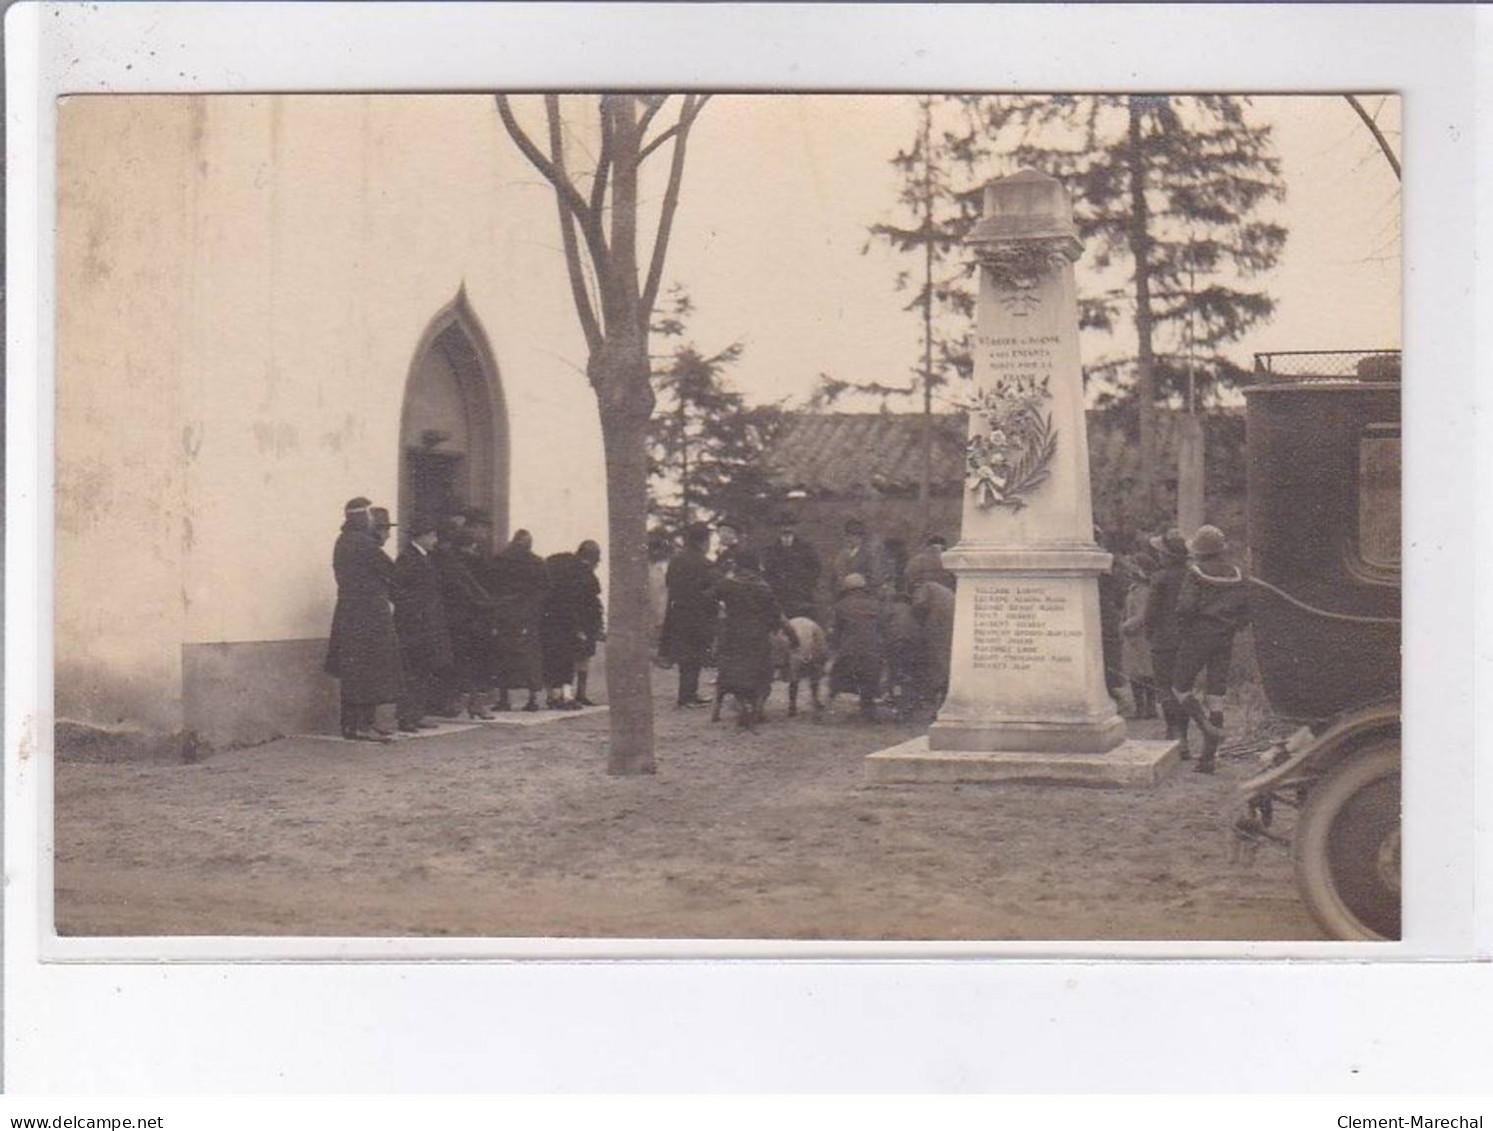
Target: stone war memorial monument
1027, 698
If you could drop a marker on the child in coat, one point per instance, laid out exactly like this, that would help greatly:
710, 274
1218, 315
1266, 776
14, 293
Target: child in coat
1212, 606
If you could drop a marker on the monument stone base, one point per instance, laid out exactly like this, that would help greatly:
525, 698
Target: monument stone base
1134, 764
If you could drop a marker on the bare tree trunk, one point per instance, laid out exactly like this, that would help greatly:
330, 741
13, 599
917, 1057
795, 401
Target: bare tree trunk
1145, 369
624, 432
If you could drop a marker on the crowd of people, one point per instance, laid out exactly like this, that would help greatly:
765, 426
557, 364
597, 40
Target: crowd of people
1182, 605
450, 629
888, 623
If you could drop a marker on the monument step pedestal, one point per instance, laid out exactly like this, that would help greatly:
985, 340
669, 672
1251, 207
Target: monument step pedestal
1134, 764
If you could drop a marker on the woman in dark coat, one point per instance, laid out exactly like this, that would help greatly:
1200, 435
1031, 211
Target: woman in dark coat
745, 661
518, 581
856, 642
363, 653
689, 621
424, 637
572, 623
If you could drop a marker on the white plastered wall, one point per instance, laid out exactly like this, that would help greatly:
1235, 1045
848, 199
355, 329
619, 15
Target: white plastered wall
286, 255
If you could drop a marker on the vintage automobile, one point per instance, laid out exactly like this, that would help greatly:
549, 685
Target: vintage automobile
1323, 432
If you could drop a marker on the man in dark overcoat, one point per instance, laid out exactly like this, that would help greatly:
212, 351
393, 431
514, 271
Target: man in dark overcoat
689, 621
517, 581
363, 652
420, 619
468, 614
791, 568
572, 623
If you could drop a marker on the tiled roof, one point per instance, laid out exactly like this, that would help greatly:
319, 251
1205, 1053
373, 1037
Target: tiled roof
845, 453
838, 453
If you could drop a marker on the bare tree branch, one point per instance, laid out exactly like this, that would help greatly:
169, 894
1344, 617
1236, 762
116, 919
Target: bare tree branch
693, 104
687, 115
1394, 162
652, 104
569, 196
603, 167
573, 267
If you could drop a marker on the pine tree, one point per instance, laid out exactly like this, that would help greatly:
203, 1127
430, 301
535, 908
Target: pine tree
937, 212
705, 443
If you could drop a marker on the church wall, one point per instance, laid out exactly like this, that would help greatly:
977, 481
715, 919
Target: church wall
122, 246
317, 238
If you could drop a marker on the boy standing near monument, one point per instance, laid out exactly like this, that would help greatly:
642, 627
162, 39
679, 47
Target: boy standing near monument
1212, 606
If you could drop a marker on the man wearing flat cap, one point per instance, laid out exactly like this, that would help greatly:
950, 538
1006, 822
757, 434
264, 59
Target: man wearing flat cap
363, 652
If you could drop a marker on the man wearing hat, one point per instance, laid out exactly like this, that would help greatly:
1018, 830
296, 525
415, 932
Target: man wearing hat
1160, 626
420, 618
790, 566
858, 555
689, 621
363, 652
1212, 606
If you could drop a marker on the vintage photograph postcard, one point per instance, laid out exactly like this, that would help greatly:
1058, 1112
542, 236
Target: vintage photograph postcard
961, 517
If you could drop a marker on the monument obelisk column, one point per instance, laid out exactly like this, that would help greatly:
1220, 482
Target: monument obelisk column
1027, 696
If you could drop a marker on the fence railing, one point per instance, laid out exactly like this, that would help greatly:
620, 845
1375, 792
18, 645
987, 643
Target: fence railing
1328, 365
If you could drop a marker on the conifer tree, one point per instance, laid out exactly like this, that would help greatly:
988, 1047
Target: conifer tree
1172, 191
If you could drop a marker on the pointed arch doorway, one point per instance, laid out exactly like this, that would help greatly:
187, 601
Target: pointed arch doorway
453, 435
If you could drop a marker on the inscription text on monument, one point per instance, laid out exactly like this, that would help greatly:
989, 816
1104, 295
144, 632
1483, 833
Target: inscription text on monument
1023, 627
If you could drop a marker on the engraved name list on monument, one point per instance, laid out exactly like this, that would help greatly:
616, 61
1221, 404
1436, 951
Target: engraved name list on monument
1021, 628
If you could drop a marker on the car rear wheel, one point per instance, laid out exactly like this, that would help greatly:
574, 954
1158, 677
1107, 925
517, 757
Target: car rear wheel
1347, 845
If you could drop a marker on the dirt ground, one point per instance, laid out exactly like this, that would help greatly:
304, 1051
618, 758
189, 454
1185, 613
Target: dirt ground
504, 831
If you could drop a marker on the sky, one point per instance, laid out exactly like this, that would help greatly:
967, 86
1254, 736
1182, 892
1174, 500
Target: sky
780, 190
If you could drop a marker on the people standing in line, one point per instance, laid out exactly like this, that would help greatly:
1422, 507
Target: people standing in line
791, 568
420, 620
363, 652
1212, 606
518, 581
1135, 649
752, 615
690, 621
660, 549
468, 618
856, 644
933, 604
1161, 627
571, 624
